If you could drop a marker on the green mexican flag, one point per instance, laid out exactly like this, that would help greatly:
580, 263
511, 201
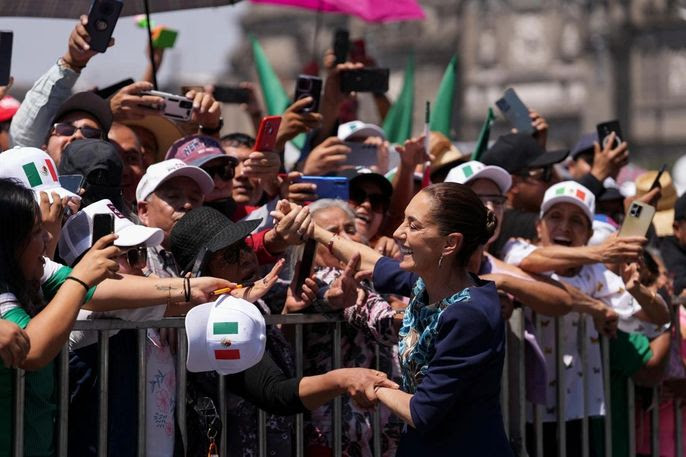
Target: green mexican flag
398, 122
442, 109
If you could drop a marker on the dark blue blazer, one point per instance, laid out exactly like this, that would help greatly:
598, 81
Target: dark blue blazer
456, 408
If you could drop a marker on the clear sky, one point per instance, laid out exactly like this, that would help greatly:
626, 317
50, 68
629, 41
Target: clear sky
206, 36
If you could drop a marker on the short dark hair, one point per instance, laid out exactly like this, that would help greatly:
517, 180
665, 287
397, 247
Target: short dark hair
238, 139
17, 204
456, 208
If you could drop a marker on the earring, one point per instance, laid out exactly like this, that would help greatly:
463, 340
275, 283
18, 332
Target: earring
440, 261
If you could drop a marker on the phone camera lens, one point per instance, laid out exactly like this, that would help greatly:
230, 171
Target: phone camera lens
270, 129
101, 25
185, 104
636, 211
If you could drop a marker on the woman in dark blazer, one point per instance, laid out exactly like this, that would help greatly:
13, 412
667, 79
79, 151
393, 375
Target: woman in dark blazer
453, 336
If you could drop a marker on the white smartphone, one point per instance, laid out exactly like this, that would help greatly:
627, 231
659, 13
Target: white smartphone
637, 220
176, 107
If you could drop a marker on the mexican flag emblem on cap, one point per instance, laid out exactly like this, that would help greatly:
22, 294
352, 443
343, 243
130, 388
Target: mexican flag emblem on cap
226, 328
38, 174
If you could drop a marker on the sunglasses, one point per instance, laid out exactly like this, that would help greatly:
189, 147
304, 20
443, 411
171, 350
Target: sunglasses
378, 202
232, 254
65, 129
137, 257
544, 174
225, 172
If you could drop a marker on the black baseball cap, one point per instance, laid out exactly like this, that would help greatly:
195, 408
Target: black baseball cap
90, 103
357, 176
205, 226
584, 145
680, 208
517, 152
99, 162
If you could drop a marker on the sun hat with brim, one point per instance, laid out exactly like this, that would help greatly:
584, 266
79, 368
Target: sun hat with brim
664, 215
158, 173
517, 152
205, 227
198, 150
77, 232
472, 170
569, 192
358, 131
227, 336
35, 170
90, 103
445, 154
164, 130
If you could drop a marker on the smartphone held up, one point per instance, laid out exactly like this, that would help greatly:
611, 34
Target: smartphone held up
102, 18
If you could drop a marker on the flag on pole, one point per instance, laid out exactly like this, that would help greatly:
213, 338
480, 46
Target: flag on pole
398, 122
442, 113
275, 99
484, 135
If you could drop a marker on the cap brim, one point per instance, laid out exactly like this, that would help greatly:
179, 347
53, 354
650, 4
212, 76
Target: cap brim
61, 191
365, 132
380, 180
134, 235
232, 233
164, 131
548, 158
198, 359
198, 175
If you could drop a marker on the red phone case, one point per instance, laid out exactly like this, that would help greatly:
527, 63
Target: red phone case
266, 135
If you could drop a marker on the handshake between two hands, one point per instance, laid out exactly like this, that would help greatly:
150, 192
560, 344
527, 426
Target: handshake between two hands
362, 384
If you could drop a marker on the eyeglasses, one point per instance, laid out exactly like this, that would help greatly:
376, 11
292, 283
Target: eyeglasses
232, 253
65, 129
378, 202
495, 200
543, 174
137, 257
225, 172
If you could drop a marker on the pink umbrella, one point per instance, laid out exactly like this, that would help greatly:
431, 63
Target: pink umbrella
368, 10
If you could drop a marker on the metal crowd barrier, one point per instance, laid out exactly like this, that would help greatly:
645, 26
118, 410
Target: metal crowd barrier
513, 400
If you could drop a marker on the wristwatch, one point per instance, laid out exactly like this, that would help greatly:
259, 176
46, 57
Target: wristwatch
212, 131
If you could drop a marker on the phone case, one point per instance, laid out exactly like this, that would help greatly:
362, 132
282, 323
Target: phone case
176, 108
303, 267
103, 225
341, 45
106, 92
515, 111
71, 182
361, 155
231, 94
605, 128
365, 80
329, 186
6, 39
102, 18
309, 86
637, 219
266, 134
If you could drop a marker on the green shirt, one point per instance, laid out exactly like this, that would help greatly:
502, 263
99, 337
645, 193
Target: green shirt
628, 353
39, 406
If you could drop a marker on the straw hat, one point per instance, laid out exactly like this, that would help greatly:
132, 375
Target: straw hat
445, 154
664, 217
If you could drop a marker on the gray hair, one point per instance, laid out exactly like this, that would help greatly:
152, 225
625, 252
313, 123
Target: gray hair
326, 203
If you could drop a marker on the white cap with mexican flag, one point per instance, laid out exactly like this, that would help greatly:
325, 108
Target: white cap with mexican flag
569, 192
227, 336
35, 170
469, 171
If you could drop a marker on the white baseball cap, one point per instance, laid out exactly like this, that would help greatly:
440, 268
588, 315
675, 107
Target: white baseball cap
469, 171
35, 170
358, 130
159, 172
569, 192
77, 232
227, 336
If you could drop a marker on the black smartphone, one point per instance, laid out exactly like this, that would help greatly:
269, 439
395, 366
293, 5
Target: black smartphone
303, 268
103, 225
72, 183
197, 268
6, 39
656, 182
605, 128
102, 18
107, 92
341, 45
309, 86
231, 94
365, 80
515, 111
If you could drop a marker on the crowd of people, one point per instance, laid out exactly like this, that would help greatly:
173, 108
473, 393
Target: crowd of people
426, 262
